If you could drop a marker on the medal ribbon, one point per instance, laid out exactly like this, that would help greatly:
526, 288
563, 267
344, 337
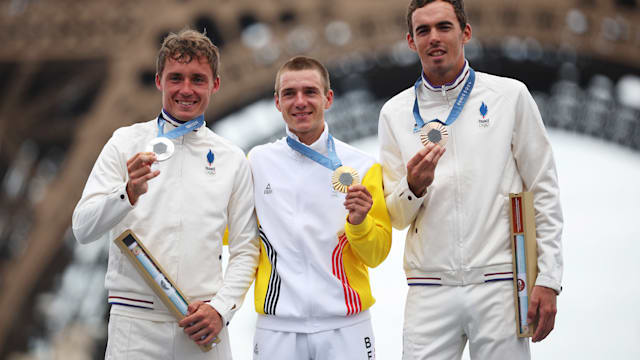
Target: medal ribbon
180, 130
457, 106
330, 161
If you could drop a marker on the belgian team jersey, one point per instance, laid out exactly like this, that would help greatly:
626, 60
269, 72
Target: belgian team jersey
313, 268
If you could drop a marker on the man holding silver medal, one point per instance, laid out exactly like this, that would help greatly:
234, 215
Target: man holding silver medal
456, 203
320, 229
177, 185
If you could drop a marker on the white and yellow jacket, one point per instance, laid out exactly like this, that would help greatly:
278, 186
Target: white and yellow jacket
459, 230
312, 275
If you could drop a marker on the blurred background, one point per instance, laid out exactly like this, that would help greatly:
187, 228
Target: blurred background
73, 71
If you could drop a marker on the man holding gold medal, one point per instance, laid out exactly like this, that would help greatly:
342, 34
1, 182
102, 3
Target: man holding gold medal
177, 186
458, 257
323, 222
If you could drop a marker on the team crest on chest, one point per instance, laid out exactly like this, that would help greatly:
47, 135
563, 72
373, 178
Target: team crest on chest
209, 168
484, 122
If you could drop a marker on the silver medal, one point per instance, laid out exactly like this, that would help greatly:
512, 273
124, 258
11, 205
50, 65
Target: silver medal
162, 147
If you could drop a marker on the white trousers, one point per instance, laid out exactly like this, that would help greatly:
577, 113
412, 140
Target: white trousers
134, 339
355, 342
439, 320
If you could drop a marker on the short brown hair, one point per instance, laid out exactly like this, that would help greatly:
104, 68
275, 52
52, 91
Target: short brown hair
304, 63
458, 8
186, 45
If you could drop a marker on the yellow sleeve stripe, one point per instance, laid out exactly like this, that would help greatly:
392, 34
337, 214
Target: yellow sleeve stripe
371, 240
225, 237
262, 280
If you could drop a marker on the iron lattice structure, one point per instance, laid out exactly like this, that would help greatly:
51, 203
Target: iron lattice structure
75, 71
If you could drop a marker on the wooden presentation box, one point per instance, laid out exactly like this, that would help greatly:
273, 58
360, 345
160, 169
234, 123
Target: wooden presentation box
158, 280
525, 258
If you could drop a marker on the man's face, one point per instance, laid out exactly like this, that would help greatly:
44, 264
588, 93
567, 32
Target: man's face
439, 41
186, 87
302, 101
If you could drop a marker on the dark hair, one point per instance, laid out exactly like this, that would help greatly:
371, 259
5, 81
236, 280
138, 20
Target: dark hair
458, 8
186, 45
304, 63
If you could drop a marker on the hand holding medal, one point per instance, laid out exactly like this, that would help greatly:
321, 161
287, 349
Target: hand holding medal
158, 149
358, 202
139, 172
421, 168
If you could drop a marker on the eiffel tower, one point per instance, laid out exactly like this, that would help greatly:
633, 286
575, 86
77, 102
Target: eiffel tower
74, 71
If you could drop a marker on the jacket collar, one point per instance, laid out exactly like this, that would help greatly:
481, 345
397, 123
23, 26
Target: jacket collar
172, 123
320, 145
455, 86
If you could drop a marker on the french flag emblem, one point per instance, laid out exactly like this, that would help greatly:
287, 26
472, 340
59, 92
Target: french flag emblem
210, 158
483, 110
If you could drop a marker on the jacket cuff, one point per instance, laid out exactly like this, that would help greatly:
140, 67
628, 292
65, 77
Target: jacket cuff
123, 196
549, 283
407, 198
226, 311
359, 230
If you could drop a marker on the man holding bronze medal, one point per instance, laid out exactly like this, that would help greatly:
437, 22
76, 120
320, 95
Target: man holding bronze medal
177, 185
323, 222
456, 203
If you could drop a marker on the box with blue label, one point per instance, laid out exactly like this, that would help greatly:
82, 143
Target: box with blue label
525, 257
156, 277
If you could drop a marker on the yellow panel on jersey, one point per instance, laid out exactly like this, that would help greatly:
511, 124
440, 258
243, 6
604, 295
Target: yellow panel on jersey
371, 239
365, 244
357, 276
267, 286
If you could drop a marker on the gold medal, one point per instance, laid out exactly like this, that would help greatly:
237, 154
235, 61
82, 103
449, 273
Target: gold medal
344, 177
434, 132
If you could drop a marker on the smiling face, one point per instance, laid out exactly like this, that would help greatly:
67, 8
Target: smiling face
186, 87
439, 41
302, 100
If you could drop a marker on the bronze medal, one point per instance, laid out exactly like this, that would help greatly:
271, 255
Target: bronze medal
434, 132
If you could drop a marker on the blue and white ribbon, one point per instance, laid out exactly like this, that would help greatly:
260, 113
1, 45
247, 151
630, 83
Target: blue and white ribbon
330, 161
180, 130
457, 106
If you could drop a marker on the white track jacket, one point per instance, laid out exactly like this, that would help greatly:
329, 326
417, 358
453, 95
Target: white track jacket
460, 229
204, 187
